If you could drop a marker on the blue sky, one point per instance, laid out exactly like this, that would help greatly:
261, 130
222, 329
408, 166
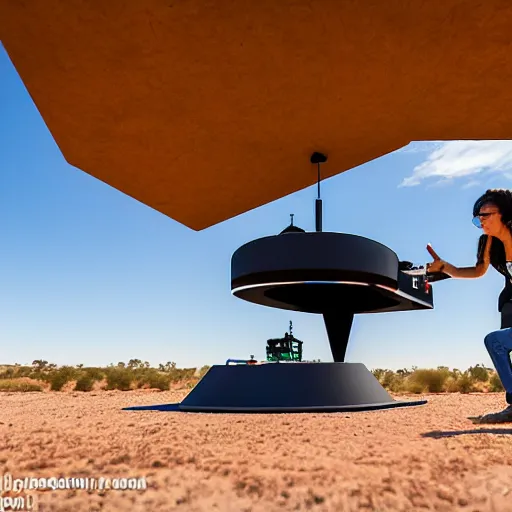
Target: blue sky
89, 275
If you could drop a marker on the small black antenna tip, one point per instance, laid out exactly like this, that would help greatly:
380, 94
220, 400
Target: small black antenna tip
291, 218
318, 158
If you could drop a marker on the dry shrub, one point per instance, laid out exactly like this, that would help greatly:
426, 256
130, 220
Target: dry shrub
87, 379
427, 380
119, 378
413, 386
465, 383
152, 378
58, 378
126, 377
495, 384
18, 385
442, 379
451, 385
94, 373
203, 371
158, 381
84, 383
15, 372
182, 374
390, 380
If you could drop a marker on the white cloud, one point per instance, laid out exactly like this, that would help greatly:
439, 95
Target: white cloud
419, 147
445, 182
471, 184
463, 159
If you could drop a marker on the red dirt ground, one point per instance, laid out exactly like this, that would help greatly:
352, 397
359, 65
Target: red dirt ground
417, 458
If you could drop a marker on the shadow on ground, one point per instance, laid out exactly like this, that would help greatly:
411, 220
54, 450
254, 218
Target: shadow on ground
161, 407
439, 434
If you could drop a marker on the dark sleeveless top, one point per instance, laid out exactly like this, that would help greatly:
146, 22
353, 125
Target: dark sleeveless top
506, 293
498, 261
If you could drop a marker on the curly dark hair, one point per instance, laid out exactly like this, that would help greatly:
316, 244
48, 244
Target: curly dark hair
502, 199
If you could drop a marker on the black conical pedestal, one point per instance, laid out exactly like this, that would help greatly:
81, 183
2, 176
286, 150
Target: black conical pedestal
286, 387
291, 387
338, 327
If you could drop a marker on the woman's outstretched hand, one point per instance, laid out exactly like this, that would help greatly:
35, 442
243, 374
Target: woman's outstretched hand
438, 264
441, 266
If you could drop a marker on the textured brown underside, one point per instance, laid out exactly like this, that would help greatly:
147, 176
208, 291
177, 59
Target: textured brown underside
206, 109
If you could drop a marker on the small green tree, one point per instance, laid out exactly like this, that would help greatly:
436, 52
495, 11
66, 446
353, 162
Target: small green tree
39, 364
478, 373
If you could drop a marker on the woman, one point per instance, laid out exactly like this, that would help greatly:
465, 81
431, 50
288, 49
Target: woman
492, 213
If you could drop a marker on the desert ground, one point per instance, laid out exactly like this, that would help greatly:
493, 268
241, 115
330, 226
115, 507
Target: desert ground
429, 457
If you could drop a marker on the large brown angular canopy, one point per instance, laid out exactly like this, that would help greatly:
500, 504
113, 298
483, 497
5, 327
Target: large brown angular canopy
205, 109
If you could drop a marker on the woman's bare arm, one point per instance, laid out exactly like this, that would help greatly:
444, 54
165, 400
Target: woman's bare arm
465, 272
471, 272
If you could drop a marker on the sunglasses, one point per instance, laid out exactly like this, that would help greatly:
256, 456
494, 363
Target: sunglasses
477, 220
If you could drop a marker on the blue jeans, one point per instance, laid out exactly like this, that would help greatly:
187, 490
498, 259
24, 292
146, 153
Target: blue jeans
499, 346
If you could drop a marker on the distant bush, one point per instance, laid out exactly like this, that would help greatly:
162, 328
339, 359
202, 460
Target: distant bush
478, 373
392, 381
152, 378
8, 373
495, 383
466, 383
378, 373
139, 374
442, 379
203, 371
452, 385
18, 385
427, 381
39, 375
94, 373
156, 380
119, 378
58, 378
14, 372
181, 374
84, 383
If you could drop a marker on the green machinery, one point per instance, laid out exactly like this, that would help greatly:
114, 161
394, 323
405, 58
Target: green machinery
288, 348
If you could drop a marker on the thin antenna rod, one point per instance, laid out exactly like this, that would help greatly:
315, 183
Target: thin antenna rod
318, 158
318, 204
318, 180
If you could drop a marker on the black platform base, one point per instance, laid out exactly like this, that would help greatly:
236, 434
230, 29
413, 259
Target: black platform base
286, 388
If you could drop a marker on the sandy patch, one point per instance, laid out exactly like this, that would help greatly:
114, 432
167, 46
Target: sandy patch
408, 459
